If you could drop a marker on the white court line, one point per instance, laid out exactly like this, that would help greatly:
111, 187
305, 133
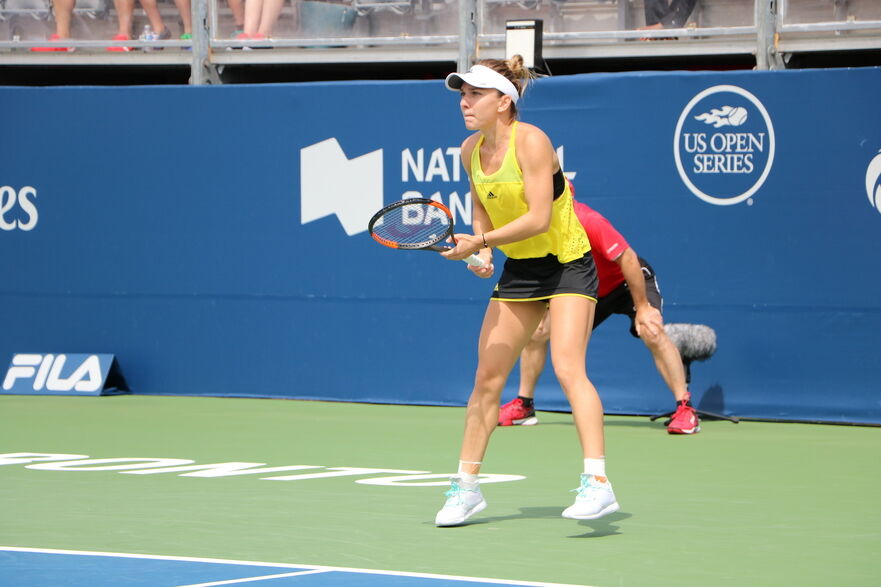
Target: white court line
261, 578
288, 566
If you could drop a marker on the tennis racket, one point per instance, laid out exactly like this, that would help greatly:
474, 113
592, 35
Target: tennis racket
416, 224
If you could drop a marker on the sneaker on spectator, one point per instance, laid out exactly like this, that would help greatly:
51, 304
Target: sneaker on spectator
54, 37
242, 36
236, 36
260, 37
255, 37
463, 501
594, 499
514, 413
684, 420
163, 36
120, 37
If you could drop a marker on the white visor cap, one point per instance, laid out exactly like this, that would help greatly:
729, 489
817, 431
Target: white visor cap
481, 76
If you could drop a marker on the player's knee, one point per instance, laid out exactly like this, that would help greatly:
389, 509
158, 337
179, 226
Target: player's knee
657, 343
652, 339
488, 381
536, 344
541, 336
569, 374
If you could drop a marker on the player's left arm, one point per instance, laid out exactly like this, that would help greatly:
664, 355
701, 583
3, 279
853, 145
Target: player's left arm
648, 318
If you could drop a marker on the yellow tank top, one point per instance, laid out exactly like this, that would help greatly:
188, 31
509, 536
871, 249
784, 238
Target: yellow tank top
503, 196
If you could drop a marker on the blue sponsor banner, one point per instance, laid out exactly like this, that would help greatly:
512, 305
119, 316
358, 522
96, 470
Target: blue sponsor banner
63, 374
225, 254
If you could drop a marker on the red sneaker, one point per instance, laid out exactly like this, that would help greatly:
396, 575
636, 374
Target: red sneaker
54, 37
242, 37
514, 413
120, 37
684, 420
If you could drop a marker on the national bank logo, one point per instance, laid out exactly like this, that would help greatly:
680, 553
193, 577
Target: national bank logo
873, 182
353, 189
724, 145
331, 183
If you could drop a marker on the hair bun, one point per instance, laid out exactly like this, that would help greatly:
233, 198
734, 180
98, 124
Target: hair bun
515, 64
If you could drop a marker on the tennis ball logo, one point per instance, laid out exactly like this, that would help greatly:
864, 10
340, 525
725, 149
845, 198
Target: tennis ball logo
725, 116
724, 145
873, 182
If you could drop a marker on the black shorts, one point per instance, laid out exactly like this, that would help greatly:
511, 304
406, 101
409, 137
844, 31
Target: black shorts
525, 280
619, 300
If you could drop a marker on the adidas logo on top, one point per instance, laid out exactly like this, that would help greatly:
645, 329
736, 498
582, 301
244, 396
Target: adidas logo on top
491, 196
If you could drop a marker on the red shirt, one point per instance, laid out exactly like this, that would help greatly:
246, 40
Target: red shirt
606, 245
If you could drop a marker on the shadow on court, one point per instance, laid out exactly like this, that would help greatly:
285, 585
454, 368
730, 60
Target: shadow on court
598, 528
609, 422
526, 513
602, 527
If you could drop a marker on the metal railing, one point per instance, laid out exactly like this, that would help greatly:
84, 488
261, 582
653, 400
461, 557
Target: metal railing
440, 30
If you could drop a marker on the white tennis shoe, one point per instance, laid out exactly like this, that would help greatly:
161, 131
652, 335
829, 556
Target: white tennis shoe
463, 501
594, 499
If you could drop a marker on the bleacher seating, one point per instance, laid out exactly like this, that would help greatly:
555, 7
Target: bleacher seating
373, 29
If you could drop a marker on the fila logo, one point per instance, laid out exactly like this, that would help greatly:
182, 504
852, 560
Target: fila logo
45, 372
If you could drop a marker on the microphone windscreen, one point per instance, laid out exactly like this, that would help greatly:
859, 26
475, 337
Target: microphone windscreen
696, 342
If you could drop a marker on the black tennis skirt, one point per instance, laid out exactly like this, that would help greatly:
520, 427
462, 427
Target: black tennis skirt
525, 280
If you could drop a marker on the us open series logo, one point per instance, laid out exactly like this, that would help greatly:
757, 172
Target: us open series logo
873, 182
724, 145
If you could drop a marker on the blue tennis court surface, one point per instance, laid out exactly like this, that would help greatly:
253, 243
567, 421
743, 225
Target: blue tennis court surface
20, 567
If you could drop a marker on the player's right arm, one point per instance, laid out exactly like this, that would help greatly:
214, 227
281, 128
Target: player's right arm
480, 222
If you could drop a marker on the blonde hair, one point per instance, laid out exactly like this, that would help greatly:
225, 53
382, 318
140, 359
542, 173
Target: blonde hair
514, 71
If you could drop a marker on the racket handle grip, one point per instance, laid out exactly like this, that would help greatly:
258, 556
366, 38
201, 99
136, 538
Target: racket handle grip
474, 261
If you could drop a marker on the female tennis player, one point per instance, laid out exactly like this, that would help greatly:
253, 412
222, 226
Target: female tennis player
522, 204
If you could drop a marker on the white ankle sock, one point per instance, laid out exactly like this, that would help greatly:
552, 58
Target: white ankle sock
595, 467
468, 477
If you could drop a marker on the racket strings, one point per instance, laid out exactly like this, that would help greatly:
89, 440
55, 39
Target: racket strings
413, 224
